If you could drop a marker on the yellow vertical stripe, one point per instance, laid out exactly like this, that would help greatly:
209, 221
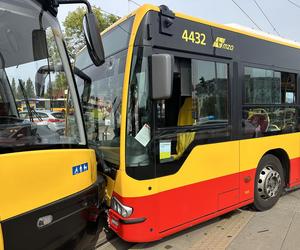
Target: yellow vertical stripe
1, 239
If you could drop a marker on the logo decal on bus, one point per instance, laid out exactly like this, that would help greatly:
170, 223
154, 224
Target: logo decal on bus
80, 168
220, 44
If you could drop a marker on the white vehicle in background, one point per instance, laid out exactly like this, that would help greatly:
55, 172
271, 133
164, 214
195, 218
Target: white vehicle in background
54, 120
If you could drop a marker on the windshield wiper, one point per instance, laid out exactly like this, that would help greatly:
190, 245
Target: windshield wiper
31, 111
26, 100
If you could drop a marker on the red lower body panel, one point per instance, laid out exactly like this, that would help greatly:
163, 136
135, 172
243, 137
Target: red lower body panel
294, 172
170, 211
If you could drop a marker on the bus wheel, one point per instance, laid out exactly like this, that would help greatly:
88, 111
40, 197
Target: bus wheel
269, 182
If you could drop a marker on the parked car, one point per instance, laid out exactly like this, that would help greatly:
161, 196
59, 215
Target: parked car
53, 119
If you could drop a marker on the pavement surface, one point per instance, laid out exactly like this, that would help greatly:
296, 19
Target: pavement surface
277, 228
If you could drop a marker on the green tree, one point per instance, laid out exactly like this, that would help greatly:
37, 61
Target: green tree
60, 85
14, 87
29, 89
54, 56
73, 28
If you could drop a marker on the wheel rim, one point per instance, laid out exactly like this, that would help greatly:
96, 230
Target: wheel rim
269, 183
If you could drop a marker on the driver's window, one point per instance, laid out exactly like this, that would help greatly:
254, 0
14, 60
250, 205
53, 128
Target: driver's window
210, 92
197, 112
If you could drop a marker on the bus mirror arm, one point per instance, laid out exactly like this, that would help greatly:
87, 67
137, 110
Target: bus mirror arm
59, 68
82, 75
86, 93
45, 70
88, 5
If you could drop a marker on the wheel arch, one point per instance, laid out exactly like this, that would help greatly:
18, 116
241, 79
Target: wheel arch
283, 157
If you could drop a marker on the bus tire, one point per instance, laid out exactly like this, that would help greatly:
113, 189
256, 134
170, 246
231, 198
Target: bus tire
269, 182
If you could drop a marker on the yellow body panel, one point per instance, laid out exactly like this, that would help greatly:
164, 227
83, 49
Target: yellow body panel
252, 150
205, 162
109, 189
29, 180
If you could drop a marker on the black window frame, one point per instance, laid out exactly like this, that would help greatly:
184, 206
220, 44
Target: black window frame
164, 132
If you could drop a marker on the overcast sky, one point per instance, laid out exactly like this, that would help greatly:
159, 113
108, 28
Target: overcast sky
283, 14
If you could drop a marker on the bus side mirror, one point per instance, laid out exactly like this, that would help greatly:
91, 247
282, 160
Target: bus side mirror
162, 76
93, 38
39, 44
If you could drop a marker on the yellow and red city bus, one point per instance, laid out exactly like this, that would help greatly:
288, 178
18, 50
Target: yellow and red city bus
58, 104
190, 119
34, 103
49, 191
55, 104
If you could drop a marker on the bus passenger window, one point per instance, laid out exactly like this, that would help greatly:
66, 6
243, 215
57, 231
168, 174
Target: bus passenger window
288, 87
270, 102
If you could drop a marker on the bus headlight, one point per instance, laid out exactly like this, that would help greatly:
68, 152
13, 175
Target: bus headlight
121, 209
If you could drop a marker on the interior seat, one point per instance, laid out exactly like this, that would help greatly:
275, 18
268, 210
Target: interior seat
185, 118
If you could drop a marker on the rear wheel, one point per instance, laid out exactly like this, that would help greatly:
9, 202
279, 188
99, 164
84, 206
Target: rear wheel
269, 182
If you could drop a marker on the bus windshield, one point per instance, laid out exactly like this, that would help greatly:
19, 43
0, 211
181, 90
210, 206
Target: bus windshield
101, 100
24, 50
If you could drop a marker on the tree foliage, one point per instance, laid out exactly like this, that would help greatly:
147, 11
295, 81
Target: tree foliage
60, 85
73, 28
29, 89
